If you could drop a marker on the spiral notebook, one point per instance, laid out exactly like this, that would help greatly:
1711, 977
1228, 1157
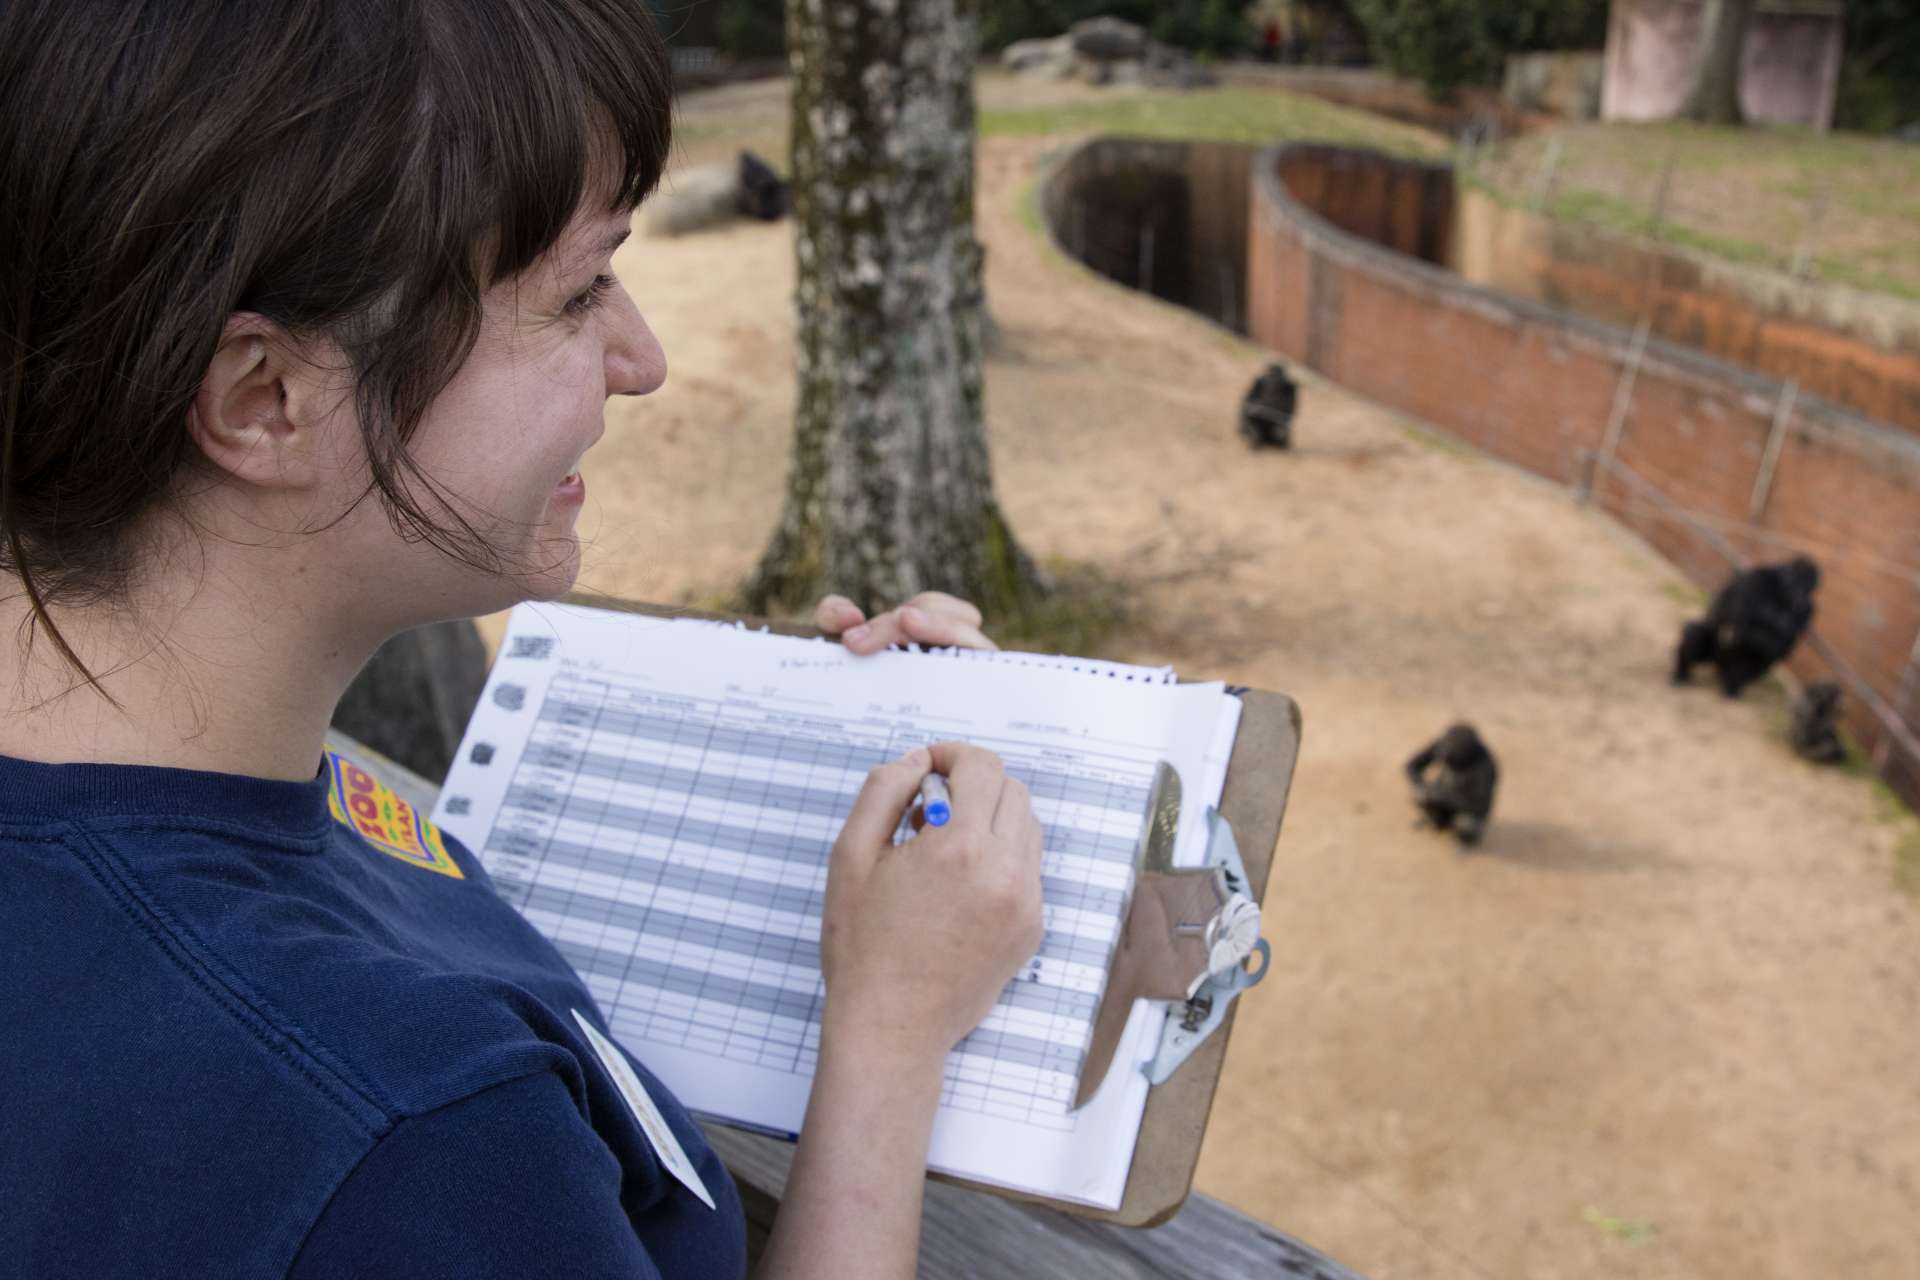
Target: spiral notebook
659, 797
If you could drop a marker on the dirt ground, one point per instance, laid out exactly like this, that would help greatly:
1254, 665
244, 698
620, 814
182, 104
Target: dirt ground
1666, 1023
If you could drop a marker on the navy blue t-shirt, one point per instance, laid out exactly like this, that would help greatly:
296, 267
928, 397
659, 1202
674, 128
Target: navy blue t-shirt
258, 1029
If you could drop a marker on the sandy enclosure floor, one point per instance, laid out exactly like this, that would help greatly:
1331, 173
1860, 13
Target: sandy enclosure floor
1665, 1024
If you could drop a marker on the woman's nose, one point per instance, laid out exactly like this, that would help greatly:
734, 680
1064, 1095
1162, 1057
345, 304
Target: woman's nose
636, 363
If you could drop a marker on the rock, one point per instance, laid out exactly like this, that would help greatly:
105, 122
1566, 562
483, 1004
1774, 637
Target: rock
1107, 39
694, 200
1185, 74
1026, 55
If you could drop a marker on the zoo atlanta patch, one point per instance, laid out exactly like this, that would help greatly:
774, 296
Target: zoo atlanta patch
362, 802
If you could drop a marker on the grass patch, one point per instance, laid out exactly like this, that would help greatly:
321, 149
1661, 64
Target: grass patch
1026, 211
1439, 441
1254, 116
1084, 611
1906, 865
1746, 195
1684, 594
1890, 808
1629, 1230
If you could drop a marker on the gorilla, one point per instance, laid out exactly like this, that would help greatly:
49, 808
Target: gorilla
1753, 623
762, 194
1266, 414
1813, 732
1458, 795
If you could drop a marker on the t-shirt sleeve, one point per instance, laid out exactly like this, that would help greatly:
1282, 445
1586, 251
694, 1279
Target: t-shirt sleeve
511, 1181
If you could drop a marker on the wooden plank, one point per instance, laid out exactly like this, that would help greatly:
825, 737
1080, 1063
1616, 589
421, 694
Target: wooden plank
968, 1233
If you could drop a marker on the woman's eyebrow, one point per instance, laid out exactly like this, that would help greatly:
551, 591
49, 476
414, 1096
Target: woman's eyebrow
614, 241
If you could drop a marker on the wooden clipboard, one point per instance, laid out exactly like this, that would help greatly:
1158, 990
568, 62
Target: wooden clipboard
1254, 801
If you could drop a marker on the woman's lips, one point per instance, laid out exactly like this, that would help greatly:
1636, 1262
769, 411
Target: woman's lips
572, 489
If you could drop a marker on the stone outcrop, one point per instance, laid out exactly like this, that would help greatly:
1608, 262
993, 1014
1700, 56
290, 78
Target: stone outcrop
1106, 51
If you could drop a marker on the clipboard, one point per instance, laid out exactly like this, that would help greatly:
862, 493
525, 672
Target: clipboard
1253, 803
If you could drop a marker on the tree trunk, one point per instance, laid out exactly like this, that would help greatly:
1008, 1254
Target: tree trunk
890, 492
1715, 97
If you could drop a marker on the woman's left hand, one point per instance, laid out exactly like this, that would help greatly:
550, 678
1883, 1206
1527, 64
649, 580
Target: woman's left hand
931, 618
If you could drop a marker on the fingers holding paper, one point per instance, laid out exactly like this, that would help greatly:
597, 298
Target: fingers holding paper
930, 618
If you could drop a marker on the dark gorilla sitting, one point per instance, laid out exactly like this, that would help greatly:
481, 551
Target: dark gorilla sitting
1453, 780
1814, 732
1753, 623
1266, 414
762, 193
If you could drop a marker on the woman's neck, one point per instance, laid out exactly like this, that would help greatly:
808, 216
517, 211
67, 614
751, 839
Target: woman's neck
231, 672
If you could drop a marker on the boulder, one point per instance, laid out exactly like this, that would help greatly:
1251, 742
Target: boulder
1027, 55
694, 200
1108, 39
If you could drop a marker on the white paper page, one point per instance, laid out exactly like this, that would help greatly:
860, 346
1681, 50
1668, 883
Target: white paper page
659, 798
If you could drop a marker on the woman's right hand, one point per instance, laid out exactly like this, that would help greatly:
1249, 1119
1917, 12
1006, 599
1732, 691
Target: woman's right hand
917, 941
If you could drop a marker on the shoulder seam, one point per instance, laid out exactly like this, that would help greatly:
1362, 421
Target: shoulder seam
335, 1084
374, 1142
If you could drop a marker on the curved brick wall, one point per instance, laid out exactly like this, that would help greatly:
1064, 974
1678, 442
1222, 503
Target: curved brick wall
1709, 463
1861, 350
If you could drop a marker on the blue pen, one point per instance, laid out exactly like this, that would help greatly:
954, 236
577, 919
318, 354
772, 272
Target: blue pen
933, 800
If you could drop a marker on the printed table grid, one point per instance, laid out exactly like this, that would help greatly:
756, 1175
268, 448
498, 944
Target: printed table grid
675, 851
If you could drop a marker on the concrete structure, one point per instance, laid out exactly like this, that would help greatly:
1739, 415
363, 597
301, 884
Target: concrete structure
1788, 72
1560, 82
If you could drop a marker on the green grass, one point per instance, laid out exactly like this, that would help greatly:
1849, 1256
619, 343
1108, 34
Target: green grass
1744, 195
1906, 851
1215, 115
1439, 441
1629, 1230
1684, 594
1084, 611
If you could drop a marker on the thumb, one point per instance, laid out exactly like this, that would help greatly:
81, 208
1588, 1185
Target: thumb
884, 797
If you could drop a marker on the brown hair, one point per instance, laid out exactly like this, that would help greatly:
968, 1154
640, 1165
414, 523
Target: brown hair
359, 169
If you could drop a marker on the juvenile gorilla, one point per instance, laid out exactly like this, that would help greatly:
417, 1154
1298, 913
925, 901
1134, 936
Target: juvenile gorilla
1453, 780
1813, 732
1266, 414
1753, 623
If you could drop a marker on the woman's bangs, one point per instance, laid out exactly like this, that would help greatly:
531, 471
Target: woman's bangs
552, 105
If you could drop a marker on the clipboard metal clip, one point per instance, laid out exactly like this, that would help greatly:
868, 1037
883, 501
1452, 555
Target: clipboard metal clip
1233, 936
1183, 946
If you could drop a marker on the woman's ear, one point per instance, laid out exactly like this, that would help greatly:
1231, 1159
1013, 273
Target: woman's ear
260, 412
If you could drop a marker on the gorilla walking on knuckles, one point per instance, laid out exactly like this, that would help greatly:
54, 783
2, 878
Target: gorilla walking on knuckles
1453, 780
1753, 622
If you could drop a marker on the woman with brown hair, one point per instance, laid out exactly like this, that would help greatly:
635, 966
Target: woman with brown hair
306, 320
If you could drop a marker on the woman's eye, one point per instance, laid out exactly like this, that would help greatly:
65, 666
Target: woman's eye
591, 296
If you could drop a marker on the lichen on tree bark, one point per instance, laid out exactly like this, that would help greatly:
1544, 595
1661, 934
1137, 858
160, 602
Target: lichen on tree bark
891, 490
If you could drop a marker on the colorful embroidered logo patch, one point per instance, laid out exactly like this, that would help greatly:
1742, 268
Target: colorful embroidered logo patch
361, 801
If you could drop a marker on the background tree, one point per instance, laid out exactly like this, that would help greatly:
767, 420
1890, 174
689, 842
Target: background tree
1715, 96
890, 491
1880, 74
1448, 43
